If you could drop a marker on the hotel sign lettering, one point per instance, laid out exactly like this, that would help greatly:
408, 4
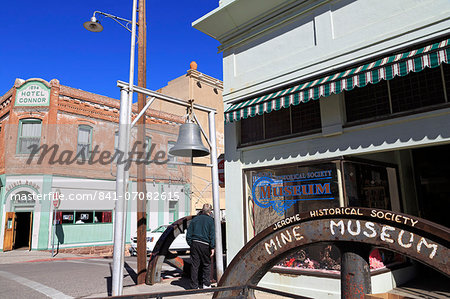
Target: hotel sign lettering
32, 93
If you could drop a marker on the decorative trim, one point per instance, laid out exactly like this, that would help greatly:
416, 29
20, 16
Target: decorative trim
386, 68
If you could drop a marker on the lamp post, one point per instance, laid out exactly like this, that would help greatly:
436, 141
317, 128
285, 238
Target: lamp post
126, 98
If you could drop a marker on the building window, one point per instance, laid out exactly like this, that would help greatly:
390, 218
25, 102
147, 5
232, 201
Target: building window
82, 217
446, 72
306, 117
116, 147
116, 141
417, 90
172, 159
371, 101
252, 129
287, 122
401, 94
277, 123
84, 144
148, 147
29, 135
280, 192
173, 211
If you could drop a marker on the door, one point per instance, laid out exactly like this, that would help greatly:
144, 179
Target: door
31, 229
10, 231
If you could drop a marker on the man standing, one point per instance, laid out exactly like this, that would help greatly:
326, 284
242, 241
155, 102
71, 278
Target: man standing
200, 237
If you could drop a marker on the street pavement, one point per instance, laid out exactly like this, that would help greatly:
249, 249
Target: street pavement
35, 274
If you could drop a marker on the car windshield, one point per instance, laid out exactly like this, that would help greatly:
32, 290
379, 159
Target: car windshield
160, 229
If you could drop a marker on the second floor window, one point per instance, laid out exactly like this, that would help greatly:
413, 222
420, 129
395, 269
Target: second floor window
84, 143
29, 135
171, 158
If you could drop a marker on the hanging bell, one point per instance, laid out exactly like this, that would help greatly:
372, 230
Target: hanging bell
189, 142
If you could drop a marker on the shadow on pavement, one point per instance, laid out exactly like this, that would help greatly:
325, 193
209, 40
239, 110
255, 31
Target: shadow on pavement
184, 282
131, 272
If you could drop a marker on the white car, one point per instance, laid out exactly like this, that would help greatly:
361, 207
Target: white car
179, 244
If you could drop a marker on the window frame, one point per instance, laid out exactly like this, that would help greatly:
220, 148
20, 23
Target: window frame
292, 134
172, 159
86, 211
91, 130
19, 133
394, 114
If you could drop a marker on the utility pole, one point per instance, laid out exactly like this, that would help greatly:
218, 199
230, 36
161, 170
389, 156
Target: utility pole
141, 188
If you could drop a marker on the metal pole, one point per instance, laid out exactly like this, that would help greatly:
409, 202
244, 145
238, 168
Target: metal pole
142, 201
126, 189
355, 271
121, 180
120, 198
53, 232
164, 97
216, 201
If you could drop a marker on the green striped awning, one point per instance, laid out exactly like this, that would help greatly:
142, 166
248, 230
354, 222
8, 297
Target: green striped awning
382, 69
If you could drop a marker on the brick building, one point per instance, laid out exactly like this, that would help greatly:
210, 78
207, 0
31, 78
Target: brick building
77, 134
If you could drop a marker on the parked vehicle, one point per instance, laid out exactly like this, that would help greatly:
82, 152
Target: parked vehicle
179, 244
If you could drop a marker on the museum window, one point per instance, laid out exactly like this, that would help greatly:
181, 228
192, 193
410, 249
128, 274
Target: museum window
371, 101
29, 135
84, 143
82, 217
414, 92
417, 90
276, 193
296, 120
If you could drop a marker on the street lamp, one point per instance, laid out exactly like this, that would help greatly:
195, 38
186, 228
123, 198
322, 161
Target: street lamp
94, 24
126, 98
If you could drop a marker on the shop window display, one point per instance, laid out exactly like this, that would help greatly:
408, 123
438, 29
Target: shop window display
279, 192
82, 217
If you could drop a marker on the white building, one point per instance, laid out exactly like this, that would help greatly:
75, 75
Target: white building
357, 89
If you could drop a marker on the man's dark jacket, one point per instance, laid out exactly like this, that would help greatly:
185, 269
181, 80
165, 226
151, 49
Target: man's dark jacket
201, 229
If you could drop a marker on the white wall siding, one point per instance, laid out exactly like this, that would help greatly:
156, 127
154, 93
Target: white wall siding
337, 33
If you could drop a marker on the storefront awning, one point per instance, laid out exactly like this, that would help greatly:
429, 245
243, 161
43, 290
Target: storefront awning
382, 69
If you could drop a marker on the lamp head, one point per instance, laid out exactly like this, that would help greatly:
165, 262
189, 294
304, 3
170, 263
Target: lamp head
93, 25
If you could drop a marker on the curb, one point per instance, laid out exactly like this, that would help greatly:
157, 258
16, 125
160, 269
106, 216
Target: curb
61, 259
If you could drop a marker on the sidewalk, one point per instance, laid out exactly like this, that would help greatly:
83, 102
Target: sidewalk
172, 285
24, 256
167, 285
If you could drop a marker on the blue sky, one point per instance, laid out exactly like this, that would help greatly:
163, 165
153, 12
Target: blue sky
46, 39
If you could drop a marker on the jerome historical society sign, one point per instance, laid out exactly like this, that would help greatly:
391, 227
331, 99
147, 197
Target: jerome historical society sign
32, 94
413, 237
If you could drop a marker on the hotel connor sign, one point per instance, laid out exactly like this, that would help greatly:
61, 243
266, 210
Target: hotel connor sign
32, 93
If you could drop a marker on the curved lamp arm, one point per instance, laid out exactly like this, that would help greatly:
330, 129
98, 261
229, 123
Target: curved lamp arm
115, 18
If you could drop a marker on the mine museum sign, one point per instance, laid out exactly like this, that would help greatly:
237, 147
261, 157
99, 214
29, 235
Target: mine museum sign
346, 227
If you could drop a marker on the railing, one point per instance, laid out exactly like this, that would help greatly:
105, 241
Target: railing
246, 292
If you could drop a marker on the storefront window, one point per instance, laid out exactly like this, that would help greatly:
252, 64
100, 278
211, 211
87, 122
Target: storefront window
279, 192
81, 217
313, 257
276, 193
366, 185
